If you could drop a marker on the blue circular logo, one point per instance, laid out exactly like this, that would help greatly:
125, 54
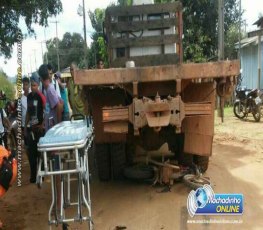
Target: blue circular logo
201, 198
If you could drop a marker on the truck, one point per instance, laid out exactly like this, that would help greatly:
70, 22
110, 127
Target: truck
148, 96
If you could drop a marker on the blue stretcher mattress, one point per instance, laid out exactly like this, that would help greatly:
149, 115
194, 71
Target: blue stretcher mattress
66, 133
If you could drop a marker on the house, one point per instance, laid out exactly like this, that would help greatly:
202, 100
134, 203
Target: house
249, 59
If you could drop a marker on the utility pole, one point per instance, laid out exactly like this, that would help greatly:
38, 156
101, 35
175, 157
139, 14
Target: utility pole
35, 59
30, 64
239, 31
221, 44
84, 22
46, 45
57, 48
82, 12
85, 36
43, 61
220, 100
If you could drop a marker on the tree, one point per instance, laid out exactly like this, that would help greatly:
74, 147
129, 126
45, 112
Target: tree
98, 48
230, 41
70, 50
200, 19
11, 11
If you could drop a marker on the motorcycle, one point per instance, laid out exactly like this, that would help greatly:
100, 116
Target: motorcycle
10, 107
247, 101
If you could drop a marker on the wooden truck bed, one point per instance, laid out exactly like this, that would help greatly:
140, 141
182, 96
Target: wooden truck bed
157, 73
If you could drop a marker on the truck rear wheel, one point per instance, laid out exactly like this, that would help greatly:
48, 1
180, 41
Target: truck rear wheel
118, 159
103, 161
202, 162
184, 159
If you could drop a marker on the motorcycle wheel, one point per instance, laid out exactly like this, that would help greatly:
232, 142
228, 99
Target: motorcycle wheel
261, 110
257, 114
239, 113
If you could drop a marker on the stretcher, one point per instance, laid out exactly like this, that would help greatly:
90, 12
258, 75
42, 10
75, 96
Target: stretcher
63, 155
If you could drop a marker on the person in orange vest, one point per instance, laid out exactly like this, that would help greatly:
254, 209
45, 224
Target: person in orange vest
8, 171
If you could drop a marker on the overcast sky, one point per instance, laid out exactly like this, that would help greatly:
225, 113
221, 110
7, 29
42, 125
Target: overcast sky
70, 21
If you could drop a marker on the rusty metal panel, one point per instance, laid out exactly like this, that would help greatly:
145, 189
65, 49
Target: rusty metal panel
98, 99
138, 114
192, 109
115, 113
116, 127
200, 144
199, 130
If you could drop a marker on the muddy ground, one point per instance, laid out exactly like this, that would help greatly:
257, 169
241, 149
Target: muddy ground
235, 167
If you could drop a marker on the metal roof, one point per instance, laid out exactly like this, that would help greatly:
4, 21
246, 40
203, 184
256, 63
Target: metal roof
248, 41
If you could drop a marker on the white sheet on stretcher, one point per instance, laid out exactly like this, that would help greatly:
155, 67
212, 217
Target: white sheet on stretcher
66, 133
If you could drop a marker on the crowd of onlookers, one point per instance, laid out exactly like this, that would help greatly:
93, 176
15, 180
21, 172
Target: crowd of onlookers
47, 100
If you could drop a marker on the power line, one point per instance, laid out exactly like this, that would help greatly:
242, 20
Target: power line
57, 43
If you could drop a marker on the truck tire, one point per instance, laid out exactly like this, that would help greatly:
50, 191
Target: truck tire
118, 160
103, 162
257, 113
202, 162
184, 159
130, 153
139, 172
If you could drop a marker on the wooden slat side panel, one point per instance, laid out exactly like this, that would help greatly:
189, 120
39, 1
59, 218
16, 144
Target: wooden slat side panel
143, 41
144, 9
133, 26
157, 73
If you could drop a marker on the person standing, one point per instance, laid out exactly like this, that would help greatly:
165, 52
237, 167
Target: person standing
54, 108
53, 114
35, 123
26, 87
100, 64
52, 80
64, 96
74, 93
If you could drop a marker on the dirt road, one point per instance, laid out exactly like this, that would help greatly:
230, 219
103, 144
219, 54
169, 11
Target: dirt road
235, 167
